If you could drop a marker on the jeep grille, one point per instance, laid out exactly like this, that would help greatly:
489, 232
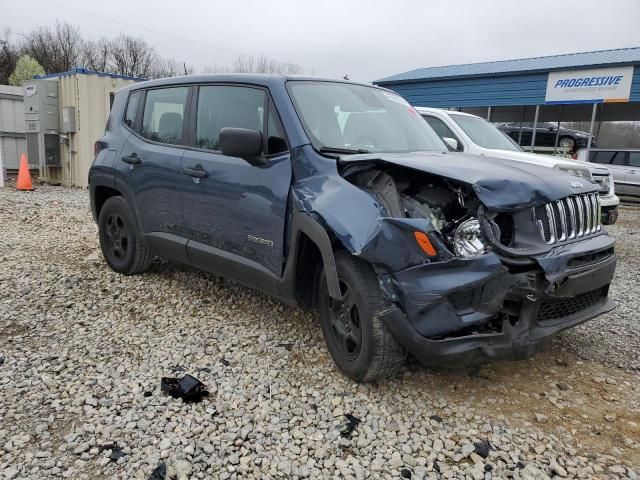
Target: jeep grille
572, 217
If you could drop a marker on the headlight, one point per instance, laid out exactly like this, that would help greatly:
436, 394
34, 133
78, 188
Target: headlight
576, 171
468, 240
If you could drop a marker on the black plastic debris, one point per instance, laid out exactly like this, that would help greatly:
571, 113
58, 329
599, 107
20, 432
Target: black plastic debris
348, 428
189, 388
1, 360
405, 473
159, 473
436, 418
488, 467
225, 362
147, 394
116, 451
286, 345
482, 448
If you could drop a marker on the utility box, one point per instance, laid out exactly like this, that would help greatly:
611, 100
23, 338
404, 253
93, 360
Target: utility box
41, 122
68, 120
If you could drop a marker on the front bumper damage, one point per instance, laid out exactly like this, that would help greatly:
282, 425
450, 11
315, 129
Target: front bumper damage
469, 310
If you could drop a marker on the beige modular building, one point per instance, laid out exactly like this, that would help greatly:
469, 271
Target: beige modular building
65, 113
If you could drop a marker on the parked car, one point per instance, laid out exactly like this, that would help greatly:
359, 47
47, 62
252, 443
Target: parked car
624, 164
468, 133
546, 134
339, 197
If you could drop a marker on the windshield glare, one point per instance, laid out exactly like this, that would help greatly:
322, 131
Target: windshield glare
357, 117
483, 133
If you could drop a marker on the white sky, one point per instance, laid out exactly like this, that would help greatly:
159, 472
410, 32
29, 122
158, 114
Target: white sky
368, 39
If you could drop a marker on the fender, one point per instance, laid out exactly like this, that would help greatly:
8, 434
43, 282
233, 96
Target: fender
98, 177
305, 223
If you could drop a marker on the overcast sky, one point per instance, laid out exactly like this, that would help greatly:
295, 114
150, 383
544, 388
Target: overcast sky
368, 39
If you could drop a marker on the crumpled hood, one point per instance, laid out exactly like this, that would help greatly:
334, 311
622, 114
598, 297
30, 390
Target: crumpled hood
500, 184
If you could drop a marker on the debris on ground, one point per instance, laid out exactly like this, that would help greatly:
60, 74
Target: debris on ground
189, 388
159, 473
348, 428
116, 451
482, 448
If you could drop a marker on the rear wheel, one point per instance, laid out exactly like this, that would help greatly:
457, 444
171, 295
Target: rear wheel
119, 242
359, 343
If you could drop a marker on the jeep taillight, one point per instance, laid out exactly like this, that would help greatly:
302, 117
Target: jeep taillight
97, 147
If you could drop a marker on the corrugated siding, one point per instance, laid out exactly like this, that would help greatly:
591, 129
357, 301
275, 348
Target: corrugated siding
569, 61
11, 148
477, 92
506, 90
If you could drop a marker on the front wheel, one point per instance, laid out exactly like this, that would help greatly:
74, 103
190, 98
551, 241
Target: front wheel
359, 343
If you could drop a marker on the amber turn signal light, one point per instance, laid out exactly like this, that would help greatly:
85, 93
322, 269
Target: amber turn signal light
425, 243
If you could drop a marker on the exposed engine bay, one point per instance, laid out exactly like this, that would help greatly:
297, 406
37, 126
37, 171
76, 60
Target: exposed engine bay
402, 193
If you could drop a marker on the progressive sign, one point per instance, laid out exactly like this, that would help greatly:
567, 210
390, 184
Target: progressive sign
597, 85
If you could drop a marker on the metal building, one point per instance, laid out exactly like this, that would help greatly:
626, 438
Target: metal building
65, 113
597, 86
12, 137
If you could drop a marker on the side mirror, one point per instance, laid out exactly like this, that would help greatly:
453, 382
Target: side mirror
243, 143
452, 143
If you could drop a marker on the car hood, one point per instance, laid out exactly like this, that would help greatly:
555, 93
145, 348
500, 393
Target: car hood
533, 158
500, 184
577, 133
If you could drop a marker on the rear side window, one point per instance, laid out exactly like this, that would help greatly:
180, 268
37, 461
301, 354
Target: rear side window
221, 106
634, 159
132, 109
163, 114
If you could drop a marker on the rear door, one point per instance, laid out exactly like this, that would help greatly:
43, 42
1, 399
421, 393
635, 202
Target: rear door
149, 165
234, 211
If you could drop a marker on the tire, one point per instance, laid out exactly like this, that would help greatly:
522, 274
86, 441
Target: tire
359, 343
119, 242
567, 142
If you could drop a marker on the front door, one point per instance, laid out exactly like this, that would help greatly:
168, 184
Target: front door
231, 208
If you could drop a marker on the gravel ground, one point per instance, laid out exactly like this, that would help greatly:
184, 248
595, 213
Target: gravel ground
82, 351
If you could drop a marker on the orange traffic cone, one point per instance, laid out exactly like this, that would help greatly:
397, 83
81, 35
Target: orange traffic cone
24, 176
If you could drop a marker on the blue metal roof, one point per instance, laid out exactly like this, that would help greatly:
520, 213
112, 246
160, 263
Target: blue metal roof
621, 56
86, 71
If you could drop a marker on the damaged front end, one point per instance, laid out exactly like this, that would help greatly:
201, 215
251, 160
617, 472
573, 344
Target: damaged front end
492, 279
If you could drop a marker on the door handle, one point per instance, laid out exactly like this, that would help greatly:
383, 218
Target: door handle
633, 171
132, 159
196, 172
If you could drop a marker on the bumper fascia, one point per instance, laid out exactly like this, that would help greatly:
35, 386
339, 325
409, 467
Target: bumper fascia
436, 332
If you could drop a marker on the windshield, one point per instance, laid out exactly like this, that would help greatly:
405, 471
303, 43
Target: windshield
483, 133
343, 116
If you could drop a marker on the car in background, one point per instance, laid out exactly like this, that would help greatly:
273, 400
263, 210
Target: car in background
624, 164
468, 133
546, 134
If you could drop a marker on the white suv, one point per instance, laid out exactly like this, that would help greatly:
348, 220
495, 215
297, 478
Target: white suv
468, 133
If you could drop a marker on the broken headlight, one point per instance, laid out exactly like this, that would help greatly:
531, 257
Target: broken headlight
468, 240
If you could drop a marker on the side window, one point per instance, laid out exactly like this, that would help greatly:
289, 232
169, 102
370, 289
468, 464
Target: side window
132, 108
619, 159
441, 129
163, 114
602, 157
634, 159
221, 106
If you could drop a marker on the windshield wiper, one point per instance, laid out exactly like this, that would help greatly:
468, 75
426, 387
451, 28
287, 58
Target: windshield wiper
346, 151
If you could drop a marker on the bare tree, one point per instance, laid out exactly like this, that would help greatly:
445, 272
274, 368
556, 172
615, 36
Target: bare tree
8, 57
96, 54
131, 56
260, 64
57, 49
